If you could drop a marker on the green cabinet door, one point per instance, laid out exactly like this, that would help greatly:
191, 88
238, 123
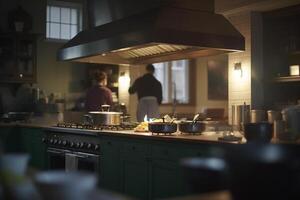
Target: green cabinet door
10, 139
33, 145
166, 179
134, 176
134, 168
109, 164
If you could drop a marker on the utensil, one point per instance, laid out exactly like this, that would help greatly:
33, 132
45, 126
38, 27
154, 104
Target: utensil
258, 132
196, 117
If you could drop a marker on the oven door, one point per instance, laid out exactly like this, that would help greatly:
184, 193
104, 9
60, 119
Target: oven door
61, 159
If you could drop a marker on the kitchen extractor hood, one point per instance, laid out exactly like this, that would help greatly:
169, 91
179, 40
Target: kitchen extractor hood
140, 32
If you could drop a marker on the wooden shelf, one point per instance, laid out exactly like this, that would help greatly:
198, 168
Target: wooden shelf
287, 79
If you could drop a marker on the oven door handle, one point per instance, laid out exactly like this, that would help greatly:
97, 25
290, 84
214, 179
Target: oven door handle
56, 151
82, 155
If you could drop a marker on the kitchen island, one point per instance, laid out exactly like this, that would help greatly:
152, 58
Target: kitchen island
137, 164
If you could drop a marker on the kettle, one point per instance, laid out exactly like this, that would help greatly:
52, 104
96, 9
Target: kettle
291, 117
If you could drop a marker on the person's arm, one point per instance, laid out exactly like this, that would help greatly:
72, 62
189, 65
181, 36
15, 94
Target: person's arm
133, 88
87, 103
159, 94
109, 99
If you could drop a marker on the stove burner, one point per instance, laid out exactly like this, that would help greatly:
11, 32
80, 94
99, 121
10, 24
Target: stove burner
123, 126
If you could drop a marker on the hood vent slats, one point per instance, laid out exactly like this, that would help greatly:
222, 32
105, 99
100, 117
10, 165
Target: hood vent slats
150, 51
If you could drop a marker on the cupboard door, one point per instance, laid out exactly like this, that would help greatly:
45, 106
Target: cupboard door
33, 145
26, 59
109, 164
10, 139
166, 179
7, 57
134, 176
18, 57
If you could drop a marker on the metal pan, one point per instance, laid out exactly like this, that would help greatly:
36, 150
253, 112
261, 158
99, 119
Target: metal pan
162, 127
191, 127
105, 118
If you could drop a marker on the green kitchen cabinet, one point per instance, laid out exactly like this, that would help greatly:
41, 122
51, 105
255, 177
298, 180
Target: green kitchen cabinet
10, 139
166, 179
134, 176
32, 144
134, 163
109, 164
145, 169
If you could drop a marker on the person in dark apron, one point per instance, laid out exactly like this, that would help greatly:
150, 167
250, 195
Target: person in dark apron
149, 91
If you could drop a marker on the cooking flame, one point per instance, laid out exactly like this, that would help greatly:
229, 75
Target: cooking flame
146, 118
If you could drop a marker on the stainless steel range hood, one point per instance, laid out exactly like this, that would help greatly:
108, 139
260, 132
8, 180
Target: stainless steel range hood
140, 32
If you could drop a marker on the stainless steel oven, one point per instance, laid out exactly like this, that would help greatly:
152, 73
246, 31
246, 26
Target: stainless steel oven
72, 160
72, 152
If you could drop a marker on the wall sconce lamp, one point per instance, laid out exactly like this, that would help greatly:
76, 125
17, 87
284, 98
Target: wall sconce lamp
124, 78
238, 69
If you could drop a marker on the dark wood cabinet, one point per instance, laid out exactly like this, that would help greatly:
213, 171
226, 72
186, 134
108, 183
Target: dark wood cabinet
18, 58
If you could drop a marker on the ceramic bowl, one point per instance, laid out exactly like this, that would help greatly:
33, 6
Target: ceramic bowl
14, 163
60, 185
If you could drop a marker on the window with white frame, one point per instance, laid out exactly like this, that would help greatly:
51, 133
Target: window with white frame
64, 20
174, 77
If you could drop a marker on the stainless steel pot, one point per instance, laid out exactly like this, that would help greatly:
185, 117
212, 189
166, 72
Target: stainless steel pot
105, 118
273, 115
257, 116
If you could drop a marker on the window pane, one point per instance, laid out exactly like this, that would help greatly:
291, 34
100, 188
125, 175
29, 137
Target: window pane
65, 15
54, 30
74, 16
161, 73
180, 81
48, 13
62, 21
65, 31
48, 30
73, 30
55, 14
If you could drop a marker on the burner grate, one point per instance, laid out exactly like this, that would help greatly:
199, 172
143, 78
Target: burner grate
123, 126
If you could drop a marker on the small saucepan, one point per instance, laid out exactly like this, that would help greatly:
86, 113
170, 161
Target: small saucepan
191, 127
162, 127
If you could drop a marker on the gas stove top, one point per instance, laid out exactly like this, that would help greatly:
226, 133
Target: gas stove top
123, 126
